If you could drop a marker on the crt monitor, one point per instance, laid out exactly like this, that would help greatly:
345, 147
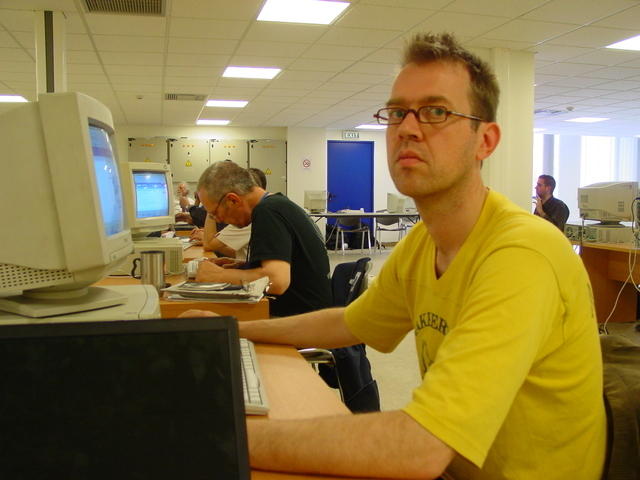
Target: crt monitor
608, 202
315, 201
395, 203
148, 196
64, 222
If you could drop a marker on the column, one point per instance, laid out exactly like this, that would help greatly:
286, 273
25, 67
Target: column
51, 71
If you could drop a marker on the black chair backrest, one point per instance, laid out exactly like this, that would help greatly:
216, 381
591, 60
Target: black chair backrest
346, 281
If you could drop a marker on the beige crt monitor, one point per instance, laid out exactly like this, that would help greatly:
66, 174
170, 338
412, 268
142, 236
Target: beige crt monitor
148, 196
65, 222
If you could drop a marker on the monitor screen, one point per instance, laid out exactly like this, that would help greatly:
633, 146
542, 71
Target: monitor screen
152, 194
136, 399
108, 181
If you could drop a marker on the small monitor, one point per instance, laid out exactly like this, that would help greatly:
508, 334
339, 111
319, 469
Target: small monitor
148, 195
608, 202
137, 399
395, 203
315, 201
65, 224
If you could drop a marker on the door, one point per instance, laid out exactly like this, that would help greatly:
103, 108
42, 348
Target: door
350, 175
349, 178
270, 156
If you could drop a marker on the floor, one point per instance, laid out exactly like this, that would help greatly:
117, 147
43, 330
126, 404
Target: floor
397, 373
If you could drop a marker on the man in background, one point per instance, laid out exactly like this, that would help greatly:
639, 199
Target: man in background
285, 244
231, 241
548, 206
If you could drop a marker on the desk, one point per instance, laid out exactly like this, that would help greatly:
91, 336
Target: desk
295, 390
173, 308
607, 265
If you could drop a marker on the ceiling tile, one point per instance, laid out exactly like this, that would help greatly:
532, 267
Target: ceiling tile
465, 24
384, 18
134, 25
126, 43
499, 8
207, 28
284, 32
131, 58
358, 37
583, 13
628, 19
529, 31
274, 49
209, 46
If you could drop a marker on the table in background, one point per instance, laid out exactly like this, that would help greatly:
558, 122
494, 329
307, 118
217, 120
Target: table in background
411, 216
608, 267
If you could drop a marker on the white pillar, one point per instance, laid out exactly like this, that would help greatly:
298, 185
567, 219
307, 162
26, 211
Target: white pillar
508, 170
51, 65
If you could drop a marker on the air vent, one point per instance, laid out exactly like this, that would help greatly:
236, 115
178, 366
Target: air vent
154, 8
185, 97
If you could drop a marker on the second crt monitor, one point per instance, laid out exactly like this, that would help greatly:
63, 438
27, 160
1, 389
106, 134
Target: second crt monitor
148, 196
608, 202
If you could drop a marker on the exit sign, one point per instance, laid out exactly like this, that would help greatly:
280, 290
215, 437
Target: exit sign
350, 134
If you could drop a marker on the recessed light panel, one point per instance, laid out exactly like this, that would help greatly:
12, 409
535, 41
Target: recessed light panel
251, 72
227, 103
12, 99
371, 127
632, 43
301, 11
587, 119
206, 121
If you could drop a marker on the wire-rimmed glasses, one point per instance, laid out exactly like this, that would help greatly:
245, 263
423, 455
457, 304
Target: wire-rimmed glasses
424, 114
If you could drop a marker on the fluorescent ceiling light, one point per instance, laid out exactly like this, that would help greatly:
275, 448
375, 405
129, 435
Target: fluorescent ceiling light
12, 99
301, 11
206, 121
587, 119
632, 43
539, 129
227, 103
251, 72
371, 127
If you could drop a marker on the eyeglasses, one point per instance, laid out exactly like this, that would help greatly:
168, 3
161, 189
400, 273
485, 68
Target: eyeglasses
425, 114
214, 214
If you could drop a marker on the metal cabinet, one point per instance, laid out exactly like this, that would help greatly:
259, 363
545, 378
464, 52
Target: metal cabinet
233, 150
152, 149
188, 158
270, 156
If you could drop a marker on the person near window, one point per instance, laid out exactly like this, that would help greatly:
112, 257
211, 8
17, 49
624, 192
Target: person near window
548, 206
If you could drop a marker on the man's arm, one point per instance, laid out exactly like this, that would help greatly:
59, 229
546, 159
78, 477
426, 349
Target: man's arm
211, 243
383, 444
278, 271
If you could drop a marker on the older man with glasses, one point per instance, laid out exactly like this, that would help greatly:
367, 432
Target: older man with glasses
498, 302
285, 245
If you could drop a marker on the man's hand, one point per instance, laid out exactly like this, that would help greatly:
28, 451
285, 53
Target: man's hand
196, 235
210, 272
539, 209
227, 262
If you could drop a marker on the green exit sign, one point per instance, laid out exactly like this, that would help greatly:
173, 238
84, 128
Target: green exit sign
350, 134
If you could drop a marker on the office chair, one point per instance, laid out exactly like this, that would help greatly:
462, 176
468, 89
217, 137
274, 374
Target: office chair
348, 368
389, 224
351, 225
621, 368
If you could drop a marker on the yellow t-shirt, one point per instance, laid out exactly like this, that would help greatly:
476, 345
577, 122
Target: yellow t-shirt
507, 343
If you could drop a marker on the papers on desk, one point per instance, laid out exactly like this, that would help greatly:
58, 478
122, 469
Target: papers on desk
252, 292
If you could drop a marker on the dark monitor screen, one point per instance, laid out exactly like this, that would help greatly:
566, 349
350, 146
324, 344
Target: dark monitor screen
152, 194
150, 399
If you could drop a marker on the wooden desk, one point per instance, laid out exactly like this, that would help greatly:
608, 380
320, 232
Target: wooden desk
173, 308
294, 390
608, 267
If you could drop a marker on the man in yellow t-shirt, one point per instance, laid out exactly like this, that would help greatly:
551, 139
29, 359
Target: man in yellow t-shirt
500, 305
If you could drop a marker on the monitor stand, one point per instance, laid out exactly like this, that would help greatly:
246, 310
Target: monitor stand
99, 302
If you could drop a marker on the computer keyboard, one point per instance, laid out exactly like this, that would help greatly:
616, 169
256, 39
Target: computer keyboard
255, 399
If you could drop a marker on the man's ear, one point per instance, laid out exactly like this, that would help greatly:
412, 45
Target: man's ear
488, 139
233, 197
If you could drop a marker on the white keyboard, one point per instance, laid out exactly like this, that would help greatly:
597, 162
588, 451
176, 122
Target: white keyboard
255, 399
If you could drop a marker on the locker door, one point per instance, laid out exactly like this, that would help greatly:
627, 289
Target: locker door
234, 150
153, 150
270, 156
188, 158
